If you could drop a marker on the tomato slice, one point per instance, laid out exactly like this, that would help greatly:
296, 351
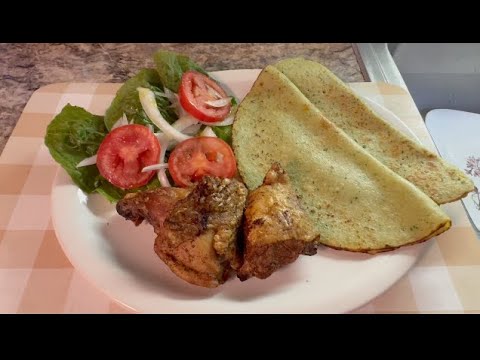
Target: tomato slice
195, 90
123, 154
195, 158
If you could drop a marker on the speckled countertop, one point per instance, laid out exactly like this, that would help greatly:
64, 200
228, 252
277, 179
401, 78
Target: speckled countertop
26, 67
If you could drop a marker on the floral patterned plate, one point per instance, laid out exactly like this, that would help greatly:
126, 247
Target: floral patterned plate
456, 136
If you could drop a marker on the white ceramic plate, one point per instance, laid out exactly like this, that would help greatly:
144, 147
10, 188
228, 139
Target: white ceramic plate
119, 259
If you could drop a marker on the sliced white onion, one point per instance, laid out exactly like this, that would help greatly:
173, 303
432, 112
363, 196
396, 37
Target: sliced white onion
88, 161
173, 98
227, 121
187, 124
149, 105
120, 122
219, 103
155, 167
162, 177
208, 132
162, 138
213, 92
161, 174
170, 95
150, 127
179, 109
192, 130
184, 122
181, 112
165, 141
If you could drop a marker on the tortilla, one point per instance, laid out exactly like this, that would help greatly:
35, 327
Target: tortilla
355, 202
438, 179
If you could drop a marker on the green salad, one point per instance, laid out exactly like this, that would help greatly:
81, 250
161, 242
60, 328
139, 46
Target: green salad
176, 102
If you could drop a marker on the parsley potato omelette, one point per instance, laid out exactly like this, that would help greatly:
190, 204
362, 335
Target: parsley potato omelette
438, 179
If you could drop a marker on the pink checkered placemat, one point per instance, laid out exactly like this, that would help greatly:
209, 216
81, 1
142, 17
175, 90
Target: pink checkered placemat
37, 277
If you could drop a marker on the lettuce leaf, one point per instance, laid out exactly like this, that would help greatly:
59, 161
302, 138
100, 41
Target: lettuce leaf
224, 133
171, 66
72, 136
127, 102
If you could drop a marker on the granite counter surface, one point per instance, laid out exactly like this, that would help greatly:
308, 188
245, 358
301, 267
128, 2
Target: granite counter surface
26, 67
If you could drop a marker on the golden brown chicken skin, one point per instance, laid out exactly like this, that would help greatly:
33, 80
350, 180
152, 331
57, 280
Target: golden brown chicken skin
276, 229
197, 233
152, 205
199, 241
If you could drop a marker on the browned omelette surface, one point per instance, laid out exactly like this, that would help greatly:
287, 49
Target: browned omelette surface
438, 179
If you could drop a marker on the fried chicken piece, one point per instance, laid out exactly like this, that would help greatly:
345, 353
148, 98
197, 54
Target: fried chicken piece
151, 205
276, 229
199, 241
197, 228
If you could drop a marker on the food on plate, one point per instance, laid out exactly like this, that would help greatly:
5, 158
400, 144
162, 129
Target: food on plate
321, 168
202, 97
151, 205
127, 103
195, 158
72, 136
171, 66
196, 235
153, 112
124, 152
354, 202
276, 229
338, 103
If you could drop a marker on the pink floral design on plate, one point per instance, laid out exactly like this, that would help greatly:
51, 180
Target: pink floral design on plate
473, 166
473, 169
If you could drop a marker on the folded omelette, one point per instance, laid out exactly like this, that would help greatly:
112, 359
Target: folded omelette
355, 202
439, 180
